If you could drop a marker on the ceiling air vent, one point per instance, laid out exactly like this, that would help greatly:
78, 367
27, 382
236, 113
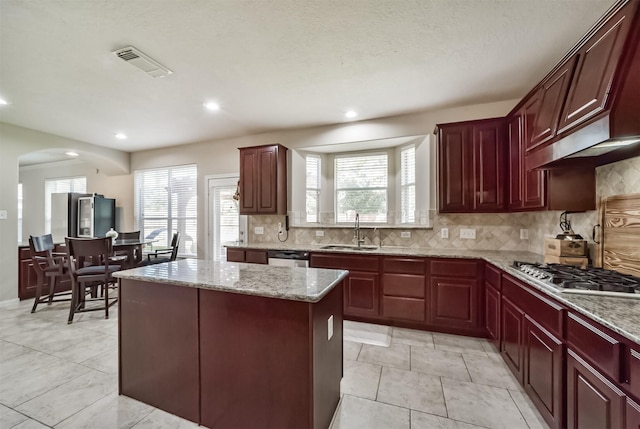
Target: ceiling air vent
147, 64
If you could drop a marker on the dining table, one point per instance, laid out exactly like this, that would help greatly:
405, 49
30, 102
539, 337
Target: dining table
132, 247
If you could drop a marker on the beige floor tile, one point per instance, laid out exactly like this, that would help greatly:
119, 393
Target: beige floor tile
111, 412
412, 390
106, 362
412, 337
485, 370
366, 333
439, 363
9, 350
30, 424
360, 379
358, 413
159, 419
396, 355
481, 405
528, 410
351, 350
9, 417
429, 421
459, 344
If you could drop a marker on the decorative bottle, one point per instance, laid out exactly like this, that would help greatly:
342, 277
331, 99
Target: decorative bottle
113, 234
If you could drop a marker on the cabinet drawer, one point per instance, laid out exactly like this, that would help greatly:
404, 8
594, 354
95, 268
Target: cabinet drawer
547, 313
24, 253
492, 276
454, 267
404, 265
403, 308
407, 285
256, 256
595, 345
345, 262
235, 255
633, 357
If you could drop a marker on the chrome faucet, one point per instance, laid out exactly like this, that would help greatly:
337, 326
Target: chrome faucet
356, 231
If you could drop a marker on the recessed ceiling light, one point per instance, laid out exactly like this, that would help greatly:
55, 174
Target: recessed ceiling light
3, 101
121, 136
71, 154
351, 114
211, 105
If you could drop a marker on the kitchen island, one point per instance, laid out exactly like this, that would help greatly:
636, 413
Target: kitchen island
231, 344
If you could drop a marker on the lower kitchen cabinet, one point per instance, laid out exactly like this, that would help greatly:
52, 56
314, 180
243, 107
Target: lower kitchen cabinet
593, 402
512, 337
543, 359
403, 289
361, 294
632, 415
492, 298
250, 256
28, 279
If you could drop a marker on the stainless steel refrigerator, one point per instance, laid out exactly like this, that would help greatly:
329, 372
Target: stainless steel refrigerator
96, 216
64, 215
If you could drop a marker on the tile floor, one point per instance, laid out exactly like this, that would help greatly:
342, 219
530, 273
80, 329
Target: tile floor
54, 375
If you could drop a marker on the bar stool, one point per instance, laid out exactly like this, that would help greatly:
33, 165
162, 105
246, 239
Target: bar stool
50, 267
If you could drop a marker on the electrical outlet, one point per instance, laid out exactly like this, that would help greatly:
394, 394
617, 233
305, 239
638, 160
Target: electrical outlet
524, 234
405, 234
469, 233
279, 228
258, 230
319, 233
3, 214
444, 233
330, 327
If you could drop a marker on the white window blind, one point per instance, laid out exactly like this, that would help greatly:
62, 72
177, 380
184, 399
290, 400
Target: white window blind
54, 186
361, 187
19, 212
226, 220
166, 202
408, 184
314, 175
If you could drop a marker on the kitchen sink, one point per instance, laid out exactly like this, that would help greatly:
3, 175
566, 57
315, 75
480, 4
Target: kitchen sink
349, 247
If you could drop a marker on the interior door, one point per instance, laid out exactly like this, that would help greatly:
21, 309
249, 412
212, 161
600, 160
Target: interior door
224, 220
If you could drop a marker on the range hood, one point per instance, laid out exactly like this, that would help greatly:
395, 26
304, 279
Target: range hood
613, 132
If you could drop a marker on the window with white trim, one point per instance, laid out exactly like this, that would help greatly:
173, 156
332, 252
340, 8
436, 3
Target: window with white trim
408, 184
54, 186
361, 183
314, 176
166, 202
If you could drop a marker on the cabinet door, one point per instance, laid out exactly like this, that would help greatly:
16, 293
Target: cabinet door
361, 294
248, 181
454, 302
597, 62
543, 371
28, 280
235, 255
632, 415
256, 256
489, 166
549, 98
454, 173
492, 314
512, 337
516, 162
593, 402
267, 179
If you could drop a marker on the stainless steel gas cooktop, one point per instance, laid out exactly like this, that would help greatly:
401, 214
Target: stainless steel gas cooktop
592, 281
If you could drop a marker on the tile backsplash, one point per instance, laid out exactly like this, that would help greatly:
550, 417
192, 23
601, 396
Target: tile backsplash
499, 231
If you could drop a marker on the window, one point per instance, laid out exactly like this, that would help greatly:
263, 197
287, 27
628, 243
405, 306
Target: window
166, 202
361, 186
408, 184
314, 174
54, 186
226, 220
19, 212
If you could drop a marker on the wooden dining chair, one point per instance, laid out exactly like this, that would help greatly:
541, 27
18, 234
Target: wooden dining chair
91, 267
50, 267
164, 255
137, 252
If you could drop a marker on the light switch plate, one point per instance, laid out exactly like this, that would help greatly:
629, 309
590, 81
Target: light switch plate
258, 230
469, 233
319, 233
444, 233
3, 214
524, 234
405, 234
330, 327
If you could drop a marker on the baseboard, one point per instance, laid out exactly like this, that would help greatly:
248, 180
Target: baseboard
9, 302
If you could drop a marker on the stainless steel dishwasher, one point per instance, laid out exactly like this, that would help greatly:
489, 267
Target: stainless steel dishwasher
289, 258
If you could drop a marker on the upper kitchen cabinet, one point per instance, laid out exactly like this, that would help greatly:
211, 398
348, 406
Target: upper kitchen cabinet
597, 61
263, 180
471, 166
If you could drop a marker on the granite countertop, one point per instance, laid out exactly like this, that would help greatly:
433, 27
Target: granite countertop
295, 284
621, 315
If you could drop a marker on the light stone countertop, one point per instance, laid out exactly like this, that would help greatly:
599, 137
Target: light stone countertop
621, 315
295, 284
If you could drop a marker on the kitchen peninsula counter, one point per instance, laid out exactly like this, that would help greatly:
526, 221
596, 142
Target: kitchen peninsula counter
232, 344
621, 315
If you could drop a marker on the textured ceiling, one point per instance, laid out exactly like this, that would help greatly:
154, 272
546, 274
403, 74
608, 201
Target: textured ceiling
270, 64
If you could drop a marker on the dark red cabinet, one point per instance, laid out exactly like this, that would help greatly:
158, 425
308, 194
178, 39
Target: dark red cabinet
471, 166
263, 180
28, 279
492, 298
593, 402
597, 61
512, 348
632, 415
403, 289
250, 256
